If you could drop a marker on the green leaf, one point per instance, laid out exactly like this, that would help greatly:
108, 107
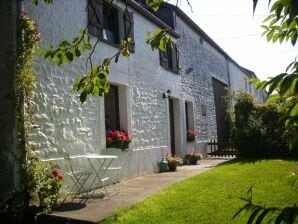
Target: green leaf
95, 70
294, 37
273, 98
294, 111
68, 57
270, 35
87, 46
83, 96
95, 91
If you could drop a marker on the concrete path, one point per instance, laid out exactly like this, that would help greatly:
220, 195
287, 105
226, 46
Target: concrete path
131, 192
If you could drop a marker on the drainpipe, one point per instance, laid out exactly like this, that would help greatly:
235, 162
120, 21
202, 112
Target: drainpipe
228, 71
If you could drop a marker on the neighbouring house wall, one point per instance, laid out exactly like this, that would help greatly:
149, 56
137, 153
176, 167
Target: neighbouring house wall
9, 176
239, 82
66, 125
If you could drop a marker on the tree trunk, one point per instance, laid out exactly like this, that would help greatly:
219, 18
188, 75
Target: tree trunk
9, 166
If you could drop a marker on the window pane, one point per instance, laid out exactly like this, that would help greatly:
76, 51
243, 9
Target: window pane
110, 26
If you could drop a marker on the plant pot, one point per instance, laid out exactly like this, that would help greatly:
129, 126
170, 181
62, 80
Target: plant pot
191, 138
173, 166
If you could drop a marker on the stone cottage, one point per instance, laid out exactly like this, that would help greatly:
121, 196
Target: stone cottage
155, 96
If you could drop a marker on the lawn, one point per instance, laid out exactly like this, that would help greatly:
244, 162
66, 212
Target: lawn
213, 197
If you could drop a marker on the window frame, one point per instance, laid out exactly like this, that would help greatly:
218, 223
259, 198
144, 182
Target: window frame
169, 59
123, 29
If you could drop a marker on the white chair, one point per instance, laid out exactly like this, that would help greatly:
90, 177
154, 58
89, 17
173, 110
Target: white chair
78, 175
114, 171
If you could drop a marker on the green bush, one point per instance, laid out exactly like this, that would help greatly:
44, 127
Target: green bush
257, 129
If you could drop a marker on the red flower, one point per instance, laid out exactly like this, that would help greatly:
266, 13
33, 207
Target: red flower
56, 173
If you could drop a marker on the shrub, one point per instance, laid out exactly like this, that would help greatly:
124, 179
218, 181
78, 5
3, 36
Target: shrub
258, 130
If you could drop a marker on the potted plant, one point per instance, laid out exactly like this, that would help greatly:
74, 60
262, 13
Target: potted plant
191, 135
173, 161
117, 139
192, 157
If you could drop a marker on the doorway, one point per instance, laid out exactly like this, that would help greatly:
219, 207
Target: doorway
220, 92
172, 126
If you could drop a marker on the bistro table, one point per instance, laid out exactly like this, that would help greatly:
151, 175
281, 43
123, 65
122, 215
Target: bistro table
100, 165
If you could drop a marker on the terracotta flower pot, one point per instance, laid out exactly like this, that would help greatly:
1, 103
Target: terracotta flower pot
172, 166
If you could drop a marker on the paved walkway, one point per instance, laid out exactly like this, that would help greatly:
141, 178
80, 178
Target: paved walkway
131, 192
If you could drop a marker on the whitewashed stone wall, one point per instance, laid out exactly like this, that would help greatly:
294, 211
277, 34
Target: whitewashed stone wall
205, 62
66, 125
239, 82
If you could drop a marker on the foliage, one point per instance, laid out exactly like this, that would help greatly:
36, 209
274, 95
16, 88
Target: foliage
159, 40
282, 25
43, 180
36, 177
173, 158
213, 196
191, 135
173, 161
154, 4
25, 80
192, 157
258, 131
117, 139
259, 212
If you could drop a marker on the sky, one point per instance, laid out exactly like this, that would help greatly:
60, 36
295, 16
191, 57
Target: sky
232, 25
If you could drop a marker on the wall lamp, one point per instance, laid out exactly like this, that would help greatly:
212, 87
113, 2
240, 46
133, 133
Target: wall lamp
166, 94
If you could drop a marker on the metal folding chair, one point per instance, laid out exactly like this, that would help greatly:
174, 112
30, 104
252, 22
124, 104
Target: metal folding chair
78, 175
115, 170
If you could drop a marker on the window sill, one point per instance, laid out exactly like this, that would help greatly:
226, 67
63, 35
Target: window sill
170, 70
113, 44
110, 43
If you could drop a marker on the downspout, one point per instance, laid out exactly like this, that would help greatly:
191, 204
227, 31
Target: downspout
228, 72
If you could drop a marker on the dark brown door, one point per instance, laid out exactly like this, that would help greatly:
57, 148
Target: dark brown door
172, 125
220, 92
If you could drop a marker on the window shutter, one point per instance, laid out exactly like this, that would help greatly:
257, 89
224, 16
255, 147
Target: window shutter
95, 17
175, 56
129, 29
163, 59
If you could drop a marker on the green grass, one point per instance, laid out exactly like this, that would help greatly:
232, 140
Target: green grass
213, 197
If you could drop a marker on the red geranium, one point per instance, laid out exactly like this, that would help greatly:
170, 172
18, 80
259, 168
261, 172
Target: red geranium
57, 173
117, 139
191, 135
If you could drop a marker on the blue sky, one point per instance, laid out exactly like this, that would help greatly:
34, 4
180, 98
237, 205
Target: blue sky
232, 25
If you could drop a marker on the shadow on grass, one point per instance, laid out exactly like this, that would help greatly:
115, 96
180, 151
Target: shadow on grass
245, 160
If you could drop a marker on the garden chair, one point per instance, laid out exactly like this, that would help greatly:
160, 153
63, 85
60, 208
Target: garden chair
78, 175
115, 170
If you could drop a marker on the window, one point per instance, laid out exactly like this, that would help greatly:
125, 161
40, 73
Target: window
112, 119
110, 23
189, 115
116, 104
246, 84
169, 59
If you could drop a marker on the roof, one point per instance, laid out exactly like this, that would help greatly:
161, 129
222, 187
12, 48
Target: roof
200, 32
150, 16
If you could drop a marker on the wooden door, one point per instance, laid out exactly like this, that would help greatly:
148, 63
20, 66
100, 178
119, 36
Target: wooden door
172, 125
220, 92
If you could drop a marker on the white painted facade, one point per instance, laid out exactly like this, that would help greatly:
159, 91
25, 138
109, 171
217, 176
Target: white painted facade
66, 125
